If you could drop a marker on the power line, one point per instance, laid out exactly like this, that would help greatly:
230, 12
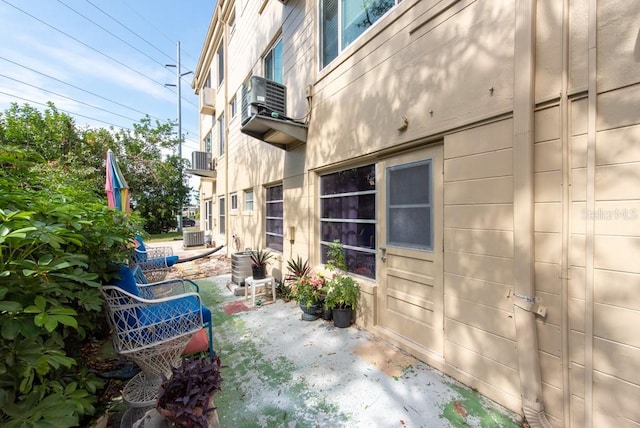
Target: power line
129, 29
109, 32
137, 35
84, 44
69, 98
83, 90
128, 5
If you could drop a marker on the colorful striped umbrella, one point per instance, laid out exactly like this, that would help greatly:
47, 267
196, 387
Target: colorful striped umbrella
116, 186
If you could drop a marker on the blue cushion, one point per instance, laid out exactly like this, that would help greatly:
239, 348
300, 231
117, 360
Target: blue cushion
190, 306
126, 281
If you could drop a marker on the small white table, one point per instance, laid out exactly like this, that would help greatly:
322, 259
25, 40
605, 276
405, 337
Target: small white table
255, 283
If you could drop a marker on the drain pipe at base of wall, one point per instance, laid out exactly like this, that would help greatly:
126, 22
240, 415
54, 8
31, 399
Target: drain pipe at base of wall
525, 308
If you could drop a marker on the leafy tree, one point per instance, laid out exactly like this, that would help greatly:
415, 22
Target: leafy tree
146, 156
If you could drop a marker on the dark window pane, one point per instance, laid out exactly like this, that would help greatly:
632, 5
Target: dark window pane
350, 180
274, 226
361, 235
274, 209
352, 207
274, 242
358, 262
274, 193
329, 31
274, 221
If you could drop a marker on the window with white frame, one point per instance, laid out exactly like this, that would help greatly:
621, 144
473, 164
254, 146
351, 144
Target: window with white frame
348, 214
233, 107
234, 201
273, 63
220, 64
221, 139
207, 142
222, 217
343, 21
208, 214
248, 200
274, 217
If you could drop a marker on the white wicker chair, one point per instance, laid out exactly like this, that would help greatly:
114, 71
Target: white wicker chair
155, 262
152, 324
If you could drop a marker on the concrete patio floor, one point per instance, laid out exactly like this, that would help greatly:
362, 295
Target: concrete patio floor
285, 372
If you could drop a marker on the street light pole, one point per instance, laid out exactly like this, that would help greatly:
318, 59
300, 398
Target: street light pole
178, 86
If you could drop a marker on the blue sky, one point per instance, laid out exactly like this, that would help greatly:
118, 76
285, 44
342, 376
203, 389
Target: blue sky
103, 61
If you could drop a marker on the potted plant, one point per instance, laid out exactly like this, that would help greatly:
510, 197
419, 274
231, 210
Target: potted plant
186, 398
308, 293
305, 288
259, 261
342, 291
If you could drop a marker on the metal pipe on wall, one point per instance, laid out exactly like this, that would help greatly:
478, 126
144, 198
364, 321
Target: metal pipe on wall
523, 213
565, 139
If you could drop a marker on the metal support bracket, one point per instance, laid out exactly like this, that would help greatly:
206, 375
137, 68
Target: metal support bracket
529, 305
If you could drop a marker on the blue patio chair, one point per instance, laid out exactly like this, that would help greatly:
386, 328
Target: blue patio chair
140, 279
152, 324
155, 262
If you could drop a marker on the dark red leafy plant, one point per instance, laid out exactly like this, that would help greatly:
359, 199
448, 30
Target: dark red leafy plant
185, 397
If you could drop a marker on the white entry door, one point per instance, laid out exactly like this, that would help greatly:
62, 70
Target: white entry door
410, 257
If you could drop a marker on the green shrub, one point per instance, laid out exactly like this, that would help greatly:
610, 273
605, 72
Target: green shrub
57, 243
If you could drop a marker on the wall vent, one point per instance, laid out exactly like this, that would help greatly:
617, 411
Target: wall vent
263, 95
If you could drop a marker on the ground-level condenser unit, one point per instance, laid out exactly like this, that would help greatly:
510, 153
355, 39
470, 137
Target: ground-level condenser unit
263, 95
193, 238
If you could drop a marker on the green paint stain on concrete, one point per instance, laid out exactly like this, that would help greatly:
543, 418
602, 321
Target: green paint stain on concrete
260, 391
472, 410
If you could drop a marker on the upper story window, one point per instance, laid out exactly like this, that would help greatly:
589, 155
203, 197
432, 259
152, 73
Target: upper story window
273, 63
233, 107
342, 21
221, 138
207, 142
207, 81
220, 63
232, 23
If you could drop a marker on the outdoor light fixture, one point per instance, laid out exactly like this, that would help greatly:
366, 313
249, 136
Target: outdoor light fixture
292, 234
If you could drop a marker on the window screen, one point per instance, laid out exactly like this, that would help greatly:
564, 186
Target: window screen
410, 205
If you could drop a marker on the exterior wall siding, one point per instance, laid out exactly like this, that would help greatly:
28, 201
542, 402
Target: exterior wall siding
448, 69
478, 260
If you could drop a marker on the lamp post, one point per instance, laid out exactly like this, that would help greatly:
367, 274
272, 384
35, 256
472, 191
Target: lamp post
178, 86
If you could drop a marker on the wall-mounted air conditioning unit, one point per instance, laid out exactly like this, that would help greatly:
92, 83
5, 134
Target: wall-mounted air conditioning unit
202, 161
263, 95
208, 101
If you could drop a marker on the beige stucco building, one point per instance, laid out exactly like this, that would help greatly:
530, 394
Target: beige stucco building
479, 160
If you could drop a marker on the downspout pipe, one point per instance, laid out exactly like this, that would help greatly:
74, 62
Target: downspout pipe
523, 213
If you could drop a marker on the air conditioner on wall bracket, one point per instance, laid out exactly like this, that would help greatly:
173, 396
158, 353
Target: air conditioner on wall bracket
264, 96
